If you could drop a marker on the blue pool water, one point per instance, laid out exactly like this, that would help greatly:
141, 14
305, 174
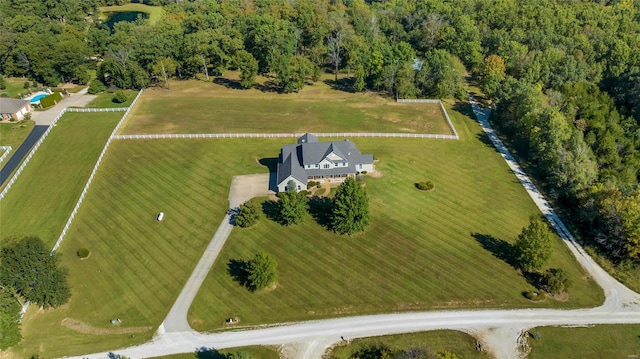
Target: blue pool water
37, 98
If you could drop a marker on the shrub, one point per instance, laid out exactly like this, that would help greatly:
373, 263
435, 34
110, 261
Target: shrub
26, 85
50, 100
119, 96
364, 172
556, 280
534, 295
3, 83
312, 184
425, 186
262, 271
249, 214
96, 86
82, 253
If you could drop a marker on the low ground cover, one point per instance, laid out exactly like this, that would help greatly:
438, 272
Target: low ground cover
13, 133
105, 99
205, 107
450, 248
600, 341
138, 265
43, 197
435, 341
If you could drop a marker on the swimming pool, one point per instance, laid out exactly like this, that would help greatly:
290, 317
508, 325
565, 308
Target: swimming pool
37, 98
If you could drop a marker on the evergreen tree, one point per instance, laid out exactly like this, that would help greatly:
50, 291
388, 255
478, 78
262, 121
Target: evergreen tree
248, 215
350, 208
262, 271
292, 206
534, 247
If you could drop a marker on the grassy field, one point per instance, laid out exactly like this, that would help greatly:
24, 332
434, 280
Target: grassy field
412, 256
256, 352
15, 86
138, 266
205, 107
154, 12
13, 133
601, 341
436, 341
104, 99
42, 198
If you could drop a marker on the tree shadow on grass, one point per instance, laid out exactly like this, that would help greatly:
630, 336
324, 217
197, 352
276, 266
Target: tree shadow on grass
267, 86
320, 210
464, 108
501, 249
208, 353
228, 83
271, 210
238, 270
344, 84
536, 279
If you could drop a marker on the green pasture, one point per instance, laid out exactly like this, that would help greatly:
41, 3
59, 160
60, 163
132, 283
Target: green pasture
204, 107
600, 341
15, 86
105, 99
137, 265
154, 12
256, 352
434, 250
42, 198
434, 341
13, 133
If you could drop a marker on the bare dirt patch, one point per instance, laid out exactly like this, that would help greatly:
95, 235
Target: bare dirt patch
88, 329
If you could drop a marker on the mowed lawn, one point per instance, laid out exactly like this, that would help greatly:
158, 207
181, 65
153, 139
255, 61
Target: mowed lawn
437, 250
205, 107
600, 341
42, 198
137, 265
13, 134
461, 344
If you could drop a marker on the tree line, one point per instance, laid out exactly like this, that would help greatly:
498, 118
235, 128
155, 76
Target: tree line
563, 76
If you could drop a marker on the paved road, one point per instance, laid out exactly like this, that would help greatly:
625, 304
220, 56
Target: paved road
243, 188
498, 330
21, 152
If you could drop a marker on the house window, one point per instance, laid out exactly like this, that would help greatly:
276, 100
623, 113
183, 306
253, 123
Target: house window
360, 166
299, 187
335, 164
326, 165
317, 165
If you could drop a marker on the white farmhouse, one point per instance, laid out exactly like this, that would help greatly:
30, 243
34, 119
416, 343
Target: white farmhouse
311, 160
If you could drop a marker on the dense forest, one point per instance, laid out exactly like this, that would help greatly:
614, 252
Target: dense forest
563, 76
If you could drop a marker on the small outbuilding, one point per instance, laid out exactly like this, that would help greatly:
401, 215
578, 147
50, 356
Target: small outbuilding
11, 108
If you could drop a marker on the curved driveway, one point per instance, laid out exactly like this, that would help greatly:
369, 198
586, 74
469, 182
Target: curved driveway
498, 330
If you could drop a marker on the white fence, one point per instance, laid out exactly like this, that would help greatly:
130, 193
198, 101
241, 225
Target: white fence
106, 109
283, 135
444, 111
7, 150
93, 172
28, 158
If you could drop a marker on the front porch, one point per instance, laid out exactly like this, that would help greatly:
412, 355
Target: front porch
331, 178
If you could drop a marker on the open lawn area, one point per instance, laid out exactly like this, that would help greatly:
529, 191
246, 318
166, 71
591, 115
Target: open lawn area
597, 342
46, 191
13, 133
154, 12
105, 99
423, 250
137, 266
436, 341
256, 352
15, 86
205, 107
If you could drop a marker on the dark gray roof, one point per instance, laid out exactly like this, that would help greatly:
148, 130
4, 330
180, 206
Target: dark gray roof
307, 138
293, 158
11, 105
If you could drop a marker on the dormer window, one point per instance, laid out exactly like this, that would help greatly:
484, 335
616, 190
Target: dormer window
326, 166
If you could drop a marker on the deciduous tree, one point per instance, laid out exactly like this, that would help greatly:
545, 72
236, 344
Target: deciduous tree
262, 271
533, 247
350, 208
292, 205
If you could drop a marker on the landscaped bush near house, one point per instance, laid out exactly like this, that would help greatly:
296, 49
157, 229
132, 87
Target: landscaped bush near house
82, 253
312, 184
425, 186
96, 86
119, 96
50, 100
